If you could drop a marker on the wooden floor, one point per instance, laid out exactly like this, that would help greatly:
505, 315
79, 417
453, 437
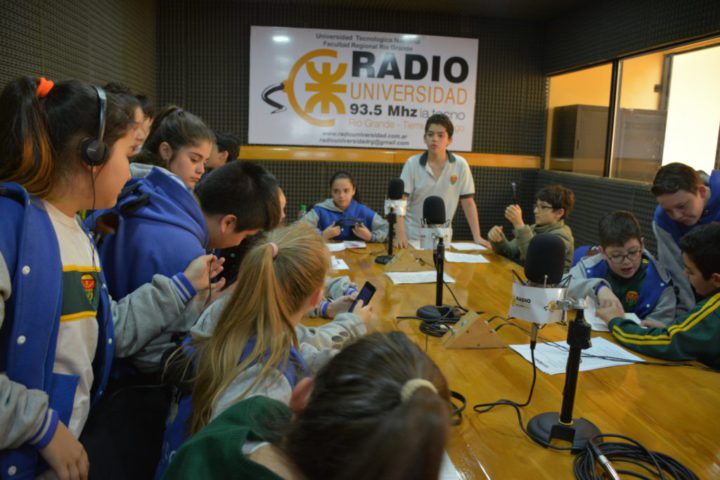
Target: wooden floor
674, 410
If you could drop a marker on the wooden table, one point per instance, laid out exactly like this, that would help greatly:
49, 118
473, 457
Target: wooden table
674, 410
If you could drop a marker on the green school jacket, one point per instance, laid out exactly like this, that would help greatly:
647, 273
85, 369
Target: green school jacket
693, 336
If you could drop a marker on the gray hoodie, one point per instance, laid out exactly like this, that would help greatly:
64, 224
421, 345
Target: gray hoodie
317, 346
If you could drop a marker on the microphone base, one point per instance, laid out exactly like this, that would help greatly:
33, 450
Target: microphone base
384, 259
444, 313
546, 427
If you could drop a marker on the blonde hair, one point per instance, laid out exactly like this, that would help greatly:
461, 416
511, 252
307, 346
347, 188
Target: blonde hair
269, 292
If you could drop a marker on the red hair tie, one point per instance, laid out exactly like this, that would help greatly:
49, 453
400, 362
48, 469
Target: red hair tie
44, 87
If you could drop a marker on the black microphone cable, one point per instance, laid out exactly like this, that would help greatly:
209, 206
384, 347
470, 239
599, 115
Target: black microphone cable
616, 457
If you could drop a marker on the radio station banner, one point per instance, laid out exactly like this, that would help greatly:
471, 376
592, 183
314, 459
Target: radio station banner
358, 89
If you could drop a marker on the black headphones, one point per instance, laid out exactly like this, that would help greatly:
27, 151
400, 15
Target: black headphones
93, 150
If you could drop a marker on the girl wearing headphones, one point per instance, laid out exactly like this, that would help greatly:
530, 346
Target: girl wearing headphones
64, 148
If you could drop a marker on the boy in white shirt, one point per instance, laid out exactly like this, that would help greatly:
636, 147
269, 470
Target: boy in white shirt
441, 173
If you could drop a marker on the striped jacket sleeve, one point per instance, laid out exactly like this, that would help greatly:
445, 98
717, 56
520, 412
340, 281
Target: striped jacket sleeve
694, 336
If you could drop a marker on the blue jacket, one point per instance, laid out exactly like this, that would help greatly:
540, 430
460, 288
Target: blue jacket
668, 234
710, 214
176, 426
356, 212
29, 333
650, 292
161, 229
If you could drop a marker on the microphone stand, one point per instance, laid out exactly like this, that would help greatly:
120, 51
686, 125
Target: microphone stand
438, 312
385, 259
550, 426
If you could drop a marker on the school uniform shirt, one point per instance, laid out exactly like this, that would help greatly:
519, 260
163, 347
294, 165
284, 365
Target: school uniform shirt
454, 182
78, 334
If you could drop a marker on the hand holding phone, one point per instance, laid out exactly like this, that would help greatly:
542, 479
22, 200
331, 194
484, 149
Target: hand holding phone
366, 293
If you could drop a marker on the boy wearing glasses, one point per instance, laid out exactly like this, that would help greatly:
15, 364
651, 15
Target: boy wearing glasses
684, 202
624, 275
553, 204
694, 335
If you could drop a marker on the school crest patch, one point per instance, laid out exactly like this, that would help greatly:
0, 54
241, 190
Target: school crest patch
453, 179
631, 298
88, 283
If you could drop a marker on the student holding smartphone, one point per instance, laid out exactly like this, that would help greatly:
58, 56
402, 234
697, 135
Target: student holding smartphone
343, 217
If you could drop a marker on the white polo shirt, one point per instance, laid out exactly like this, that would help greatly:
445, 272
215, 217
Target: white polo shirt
455, 182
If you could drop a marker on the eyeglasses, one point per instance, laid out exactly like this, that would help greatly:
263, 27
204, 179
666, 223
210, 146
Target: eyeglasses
540, 206
620, 258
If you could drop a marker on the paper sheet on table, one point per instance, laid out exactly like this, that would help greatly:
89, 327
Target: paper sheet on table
467, 247
551, 357
335, 247
338, 264
596, 323
415, 244
464, 258
429, 276
354, 244
448, 470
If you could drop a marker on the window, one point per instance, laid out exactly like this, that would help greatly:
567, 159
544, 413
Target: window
577, 120
666, 109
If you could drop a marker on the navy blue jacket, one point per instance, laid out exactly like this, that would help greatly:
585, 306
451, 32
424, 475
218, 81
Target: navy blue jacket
161, 229
356, 212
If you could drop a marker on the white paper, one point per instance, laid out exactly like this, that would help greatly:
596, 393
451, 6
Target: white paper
551, 357
467, 247
415, 244
464, 258
429, 276
354, 244
448, 470
335, 247
595, 322
338, 264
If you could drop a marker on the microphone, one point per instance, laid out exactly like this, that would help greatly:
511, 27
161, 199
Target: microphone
434, 224
544, 264
434, 219
395, 205
536, 301
514, 192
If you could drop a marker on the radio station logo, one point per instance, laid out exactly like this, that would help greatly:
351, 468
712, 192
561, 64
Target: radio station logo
312, 88
318, 88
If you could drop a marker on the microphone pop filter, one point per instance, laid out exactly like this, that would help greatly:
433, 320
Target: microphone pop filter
545, 256
396, 189
434, 211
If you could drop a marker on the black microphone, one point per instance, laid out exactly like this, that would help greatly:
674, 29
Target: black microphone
394, 205
545, 260
396, 189
434, 211
544, 264
434, 215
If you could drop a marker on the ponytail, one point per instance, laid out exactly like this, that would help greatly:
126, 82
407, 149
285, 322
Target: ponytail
274, 282
357, 424
26, 156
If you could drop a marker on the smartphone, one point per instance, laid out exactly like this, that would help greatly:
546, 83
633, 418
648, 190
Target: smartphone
366, 293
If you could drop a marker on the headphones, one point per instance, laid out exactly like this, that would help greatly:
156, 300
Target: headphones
93, 150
